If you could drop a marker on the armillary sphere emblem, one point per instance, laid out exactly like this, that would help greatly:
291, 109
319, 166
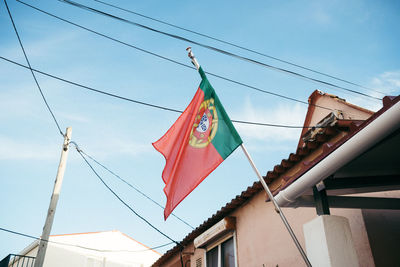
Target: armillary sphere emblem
205, 125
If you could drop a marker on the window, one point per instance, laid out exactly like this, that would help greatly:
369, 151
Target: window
212, 257
228, 253
222, 255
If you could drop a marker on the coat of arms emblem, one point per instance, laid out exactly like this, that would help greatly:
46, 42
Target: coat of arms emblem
205, 125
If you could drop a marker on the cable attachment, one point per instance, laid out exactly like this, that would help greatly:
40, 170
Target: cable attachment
67, 138
76, 146
191, 56
66, 143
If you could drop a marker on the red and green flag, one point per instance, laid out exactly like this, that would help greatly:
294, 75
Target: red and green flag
201, 138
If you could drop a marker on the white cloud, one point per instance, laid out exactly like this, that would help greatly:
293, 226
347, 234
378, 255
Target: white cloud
105, 146
73, 117
387, 83
320, 13
40, 48
126, 146
12, 149
282, 114
20, 104
322, 17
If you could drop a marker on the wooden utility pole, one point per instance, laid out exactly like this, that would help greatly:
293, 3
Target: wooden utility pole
53, 201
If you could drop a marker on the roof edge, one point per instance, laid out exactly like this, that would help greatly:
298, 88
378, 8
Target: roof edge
371, 131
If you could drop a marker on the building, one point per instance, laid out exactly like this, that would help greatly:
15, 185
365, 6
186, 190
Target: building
339, 191
97, 249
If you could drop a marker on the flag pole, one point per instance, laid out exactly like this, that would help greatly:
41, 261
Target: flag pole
263, 183
276, 205
191, 56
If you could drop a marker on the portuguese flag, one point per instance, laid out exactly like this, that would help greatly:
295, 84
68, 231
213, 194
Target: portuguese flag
201, 138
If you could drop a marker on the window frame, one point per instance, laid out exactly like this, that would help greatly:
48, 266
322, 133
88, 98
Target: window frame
218, 244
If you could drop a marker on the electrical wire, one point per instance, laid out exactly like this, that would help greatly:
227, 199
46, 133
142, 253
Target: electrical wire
293, 73
177, 62
162, 107
78, 246
238, 46
55, 120
121, 200
169, 59
130, 185
30, 68
81, 153
169, 109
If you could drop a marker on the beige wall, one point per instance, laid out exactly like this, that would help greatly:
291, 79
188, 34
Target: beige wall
198, 254
262, 239
266, 241
106, 249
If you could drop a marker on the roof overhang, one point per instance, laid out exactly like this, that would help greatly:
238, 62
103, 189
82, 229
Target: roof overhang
378, 133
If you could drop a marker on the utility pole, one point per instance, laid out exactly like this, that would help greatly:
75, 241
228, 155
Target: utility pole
53, 201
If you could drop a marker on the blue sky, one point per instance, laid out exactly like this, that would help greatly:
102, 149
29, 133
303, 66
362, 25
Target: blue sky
354, 40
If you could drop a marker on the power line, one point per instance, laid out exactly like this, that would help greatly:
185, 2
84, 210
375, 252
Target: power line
159, 56
55, 120
168, 59
30, 68
78, 246
293, 73
121, 200
238, 46
172, 60
130, 185
166, 108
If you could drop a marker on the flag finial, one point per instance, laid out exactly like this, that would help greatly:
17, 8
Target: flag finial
191, 56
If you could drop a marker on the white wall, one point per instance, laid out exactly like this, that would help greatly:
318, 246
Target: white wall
108, 249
